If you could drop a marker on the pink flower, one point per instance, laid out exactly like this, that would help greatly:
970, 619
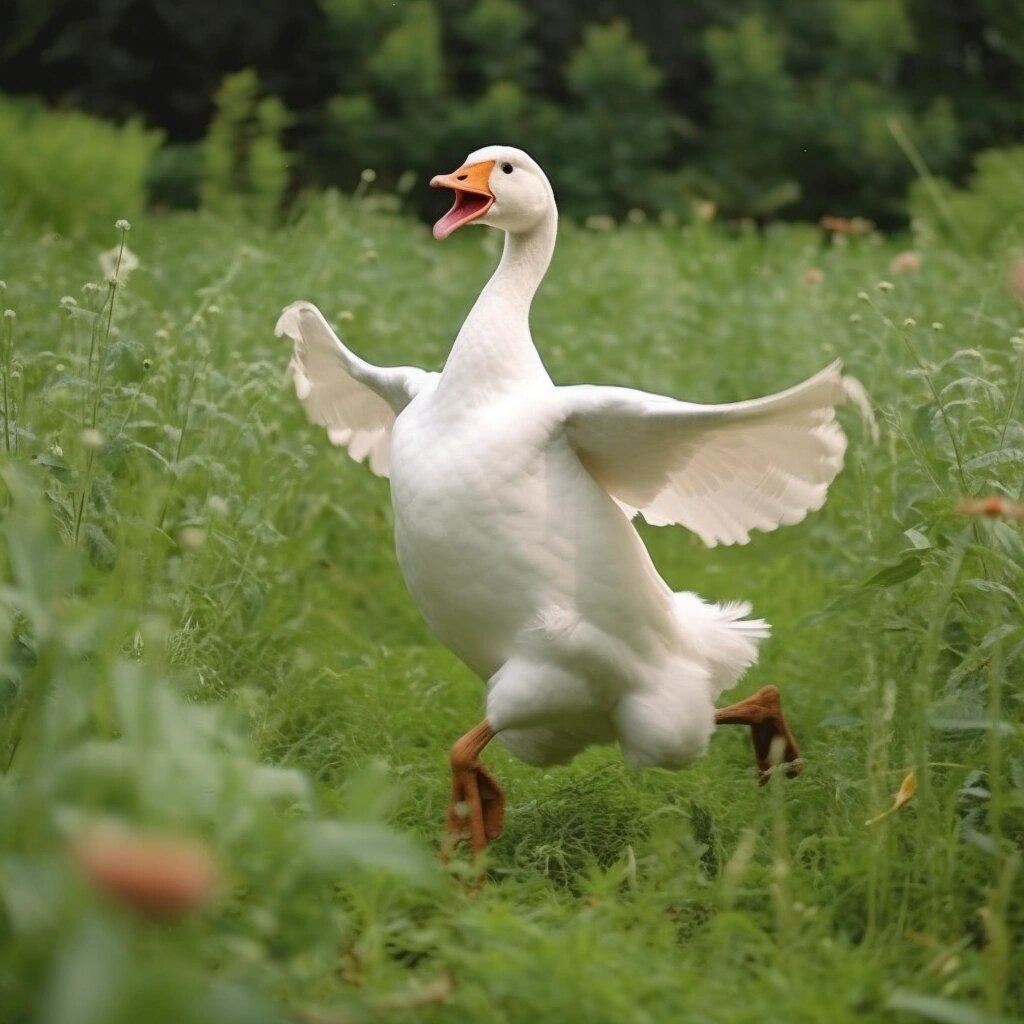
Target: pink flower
1015, 278
906, 262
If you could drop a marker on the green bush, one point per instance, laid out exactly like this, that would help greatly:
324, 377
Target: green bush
354, 29
616, 132
801, 112
174, 175
756, 117
392, 114
352, 137
501, 115
244, 167
497, 32
70, 172
769, 109
602, 147
987, 214
857, 95
407, 68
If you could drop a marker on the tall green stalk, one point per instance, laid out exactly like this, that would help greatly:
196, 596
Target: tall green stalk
95, 378
7, 343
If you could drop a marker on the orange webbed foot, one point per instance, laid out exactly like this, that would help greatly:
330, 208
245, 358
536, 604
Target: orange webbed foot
477, 808
770, 734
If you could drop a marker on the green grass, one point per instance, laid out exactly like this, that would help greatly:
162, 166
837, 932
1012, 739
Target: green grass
205, 633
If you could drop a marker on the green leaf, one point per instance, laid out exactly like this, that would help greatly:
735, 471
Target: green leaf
101, 549
897, 572
971, 725
76, 312
50, 461
917, 538
980, 841
922, 424
88, 975
996, 458
335, 847
30, 892
943, 1011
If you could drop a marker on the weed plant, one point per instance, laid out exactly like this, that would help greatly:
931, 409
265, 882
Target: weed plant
205, 635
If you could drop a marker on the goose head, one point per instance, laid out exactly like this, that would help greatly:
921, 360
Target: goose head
500, 186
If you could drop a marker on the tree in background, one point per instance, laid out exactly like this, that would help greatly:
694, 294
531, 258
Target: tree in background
856, 95
408, 109
616, 130
391, 74
769, 109
756, 119
497, 34
801, 111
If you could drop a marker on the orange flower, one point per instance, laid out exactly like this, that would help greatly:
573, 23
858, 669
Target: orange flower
994, 506
813, 276
157, 876
846, 225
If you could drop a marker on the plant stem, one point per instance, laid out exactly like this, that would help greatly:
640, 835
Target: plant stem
921, 692
1013, 400
181, 441
923, 367
97, 383
8, 349
913, 154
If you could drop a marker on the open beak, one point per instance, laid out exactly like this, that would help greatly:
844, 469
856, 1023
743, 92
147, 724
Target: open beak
473, 196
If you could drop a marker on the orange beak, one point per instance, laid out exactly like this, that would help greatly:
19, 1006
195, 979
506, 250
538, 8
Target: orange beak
473, 196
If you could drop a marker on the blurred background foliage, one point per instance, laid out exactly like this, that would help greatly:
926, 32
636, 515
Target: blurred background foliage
765, 109
223, 725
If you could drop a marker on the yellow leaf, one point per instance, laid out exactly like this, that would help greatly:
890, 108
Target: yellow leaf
908, 787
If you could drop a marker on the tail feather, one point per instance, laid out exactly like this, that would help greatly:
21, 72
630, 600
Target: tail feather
724, 636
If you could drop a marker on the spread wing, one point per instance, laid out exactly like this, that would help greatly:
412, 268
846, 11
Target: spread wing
719, 470
356, 401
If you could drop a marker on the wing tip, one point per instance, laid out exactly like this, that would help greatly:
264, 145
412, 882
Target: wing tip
856, 394
303, 385
852, 391
290, 321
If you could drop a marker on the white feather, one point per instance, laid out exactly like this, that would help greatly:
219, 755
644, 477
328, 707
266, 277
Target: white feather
355, 401
509, 493
719, 470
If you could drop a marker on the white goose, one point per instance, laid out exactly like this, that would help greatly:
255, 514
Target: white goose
513, 498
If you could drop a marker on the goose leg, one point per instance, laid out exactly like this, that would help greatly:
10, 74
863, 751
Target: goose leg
762, 711
477, 808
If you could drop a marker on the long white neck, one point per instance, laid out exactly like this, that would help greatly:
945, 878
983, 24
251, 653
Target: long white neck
494, 348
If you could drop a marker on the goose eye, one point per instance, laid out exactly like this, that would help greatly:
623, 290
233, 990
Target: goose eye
507, 168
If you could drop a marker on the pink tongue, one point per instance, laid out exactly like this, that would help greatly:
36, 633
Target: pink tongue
467, 206
448, 223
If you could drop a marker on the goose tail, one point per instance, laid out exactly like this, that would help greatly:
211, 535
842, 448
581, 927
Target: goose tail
725, 637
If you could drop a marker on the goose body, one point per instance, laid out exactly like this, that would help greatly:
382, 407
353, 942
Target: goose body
523, 565
513, 501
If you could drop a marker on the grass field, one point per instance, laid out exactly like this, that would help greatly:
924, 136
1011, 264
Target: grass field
205, 634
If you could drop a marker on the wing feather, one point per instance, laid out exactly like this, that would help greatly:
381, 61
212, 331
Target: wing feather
355, 401
719, 470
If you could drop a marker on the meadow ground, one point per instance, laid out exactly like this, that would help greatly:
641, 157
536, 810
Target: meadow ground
205, 634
